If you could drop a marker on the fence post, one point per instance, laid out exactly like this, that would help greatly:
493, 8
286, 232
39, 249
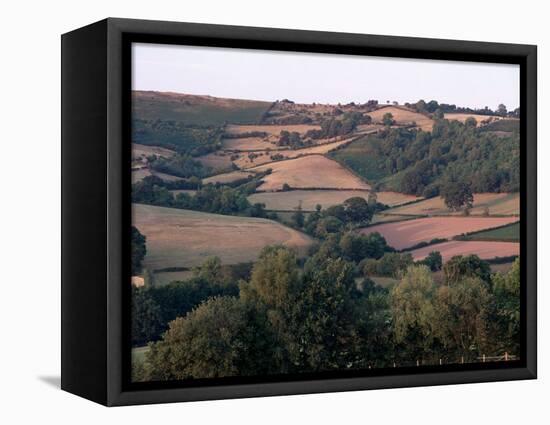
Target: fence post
440, 362
484, 358
462, 359
506, 356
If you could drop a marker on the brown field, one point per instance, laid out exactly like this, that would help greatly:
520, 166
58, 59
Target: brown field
249, 144
485, 250
463, 117
265, 157
287, 201
183, 238
498, 204
218, 161
408, 233
138, 175
403, 116
227, 177
311, 171
144, 150
270, 129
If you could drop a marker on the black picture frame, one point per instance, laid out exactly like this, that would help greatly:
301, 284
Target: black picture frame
96, 208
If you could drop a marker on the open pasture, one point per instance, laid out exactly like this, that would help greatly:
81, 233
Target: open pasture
265, 157
227, 177
274, 129
311, 171
479, 118
218, 161
403, 116
496, 203
405, 234
484, 250
195, 109
138, 175
286, 201
249, 144
145, 150
183, 238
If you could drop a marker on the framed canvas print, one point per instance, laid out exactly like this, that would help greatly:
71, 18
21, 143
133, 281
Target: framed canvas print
253, 212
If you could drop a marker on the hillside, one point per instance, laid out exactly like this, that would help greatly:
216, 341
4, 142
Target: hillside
195, 110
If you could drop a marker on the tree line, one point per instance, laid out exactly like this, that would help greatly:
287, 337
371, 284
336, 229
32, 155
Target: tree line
293, 318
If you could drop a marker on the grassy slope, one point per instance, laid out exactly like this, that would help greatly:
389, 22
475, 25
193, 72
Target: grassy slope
506, 233
197, 110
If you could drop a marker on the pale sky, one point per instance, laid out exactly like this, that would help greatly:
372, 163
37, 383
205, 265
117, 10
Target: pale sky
321, 78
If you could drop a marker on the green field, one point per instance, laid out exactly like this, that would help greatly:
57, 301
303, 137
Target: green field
362, 157
508, 233
196, 110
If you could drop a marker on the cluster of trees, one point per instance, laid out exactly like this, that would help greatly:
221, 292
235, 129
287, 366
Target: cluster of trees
354, 212
154, 307
292, 139
290, 319
433, 106
420, 163
184, 138
211, 198
340, 126
180, 165
218, 199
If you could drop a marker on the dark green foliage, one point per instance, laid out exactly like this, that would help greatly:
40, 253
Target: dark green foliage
502, 125
289, 320
222, 337
180, 166
176, 299
391, 264
357, 210
291, 139
411, 161
334, 127
147, 320
356, 247
298, 217
387, 119
457, 195
209, 198
505, 310
196, 110
466, 266
138, 250
434, 261
177, 135
353, 212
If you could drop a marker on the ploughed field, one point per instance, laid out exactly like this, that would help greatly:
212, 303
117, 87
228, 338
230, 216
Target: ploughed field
485, 250
183, 239
307, 172
308, 199
495, 203
406, 234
